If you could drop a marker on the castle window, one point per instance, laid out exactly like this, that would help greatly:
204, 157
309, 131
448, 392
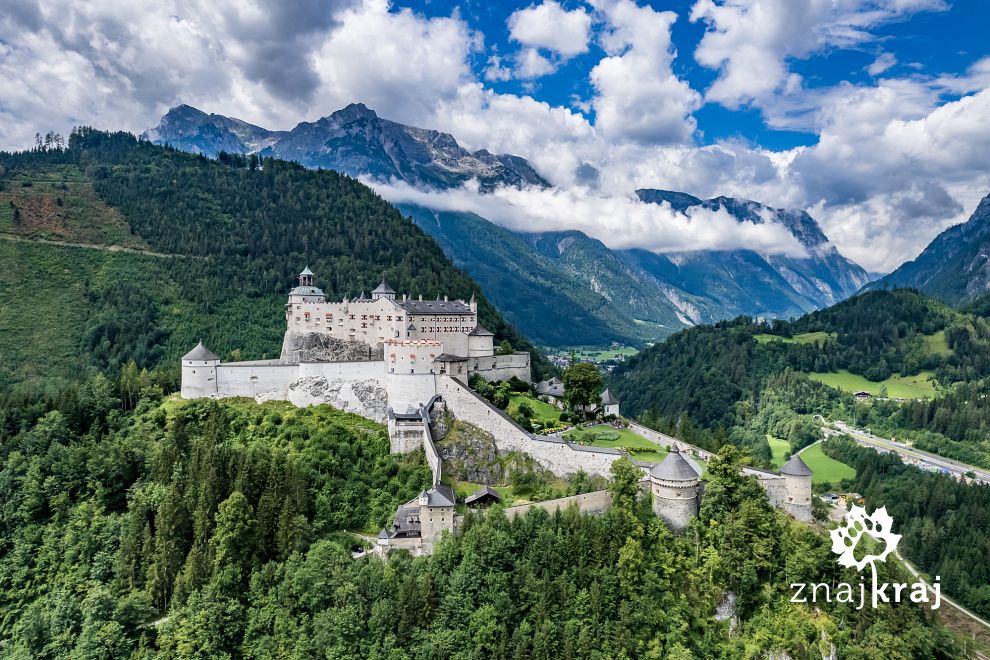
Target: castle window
364, 325
352, 317
389, 317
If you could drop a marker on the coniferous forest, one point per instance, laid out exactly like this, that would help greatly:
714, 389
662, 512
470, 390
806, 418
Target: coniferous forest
214, 247
215, 529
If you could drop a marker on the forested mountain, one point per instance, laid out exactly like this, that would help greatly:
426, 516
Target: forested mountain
955, 266
716, 375
216, 529
630, 296
176, 248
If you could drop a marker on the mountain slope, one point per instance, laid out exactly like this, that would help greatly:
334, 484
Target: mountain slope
214, 247
353, 140
562, 288
823, 278
955, 266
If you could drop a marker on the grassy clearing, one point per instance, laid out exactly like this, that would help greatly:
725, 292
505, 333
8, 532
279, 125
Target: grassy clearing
920, 386
463, 489
779, 448
803, 338
542, 412
60, 204
826, 469
593, 354
612, 438
936, 344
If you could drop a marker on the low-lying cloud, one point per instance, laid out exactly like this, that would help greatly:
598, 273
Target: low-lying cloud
618, 222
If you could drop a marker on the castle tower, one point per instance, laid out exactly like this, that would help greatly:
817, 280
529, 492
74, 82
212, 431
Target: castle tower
674, 484
436, 514
383, 291
199, 373
797, 488
305, 292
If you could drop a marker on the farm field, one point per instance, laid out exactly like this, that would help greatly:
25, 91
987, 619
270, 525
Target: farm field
825, 469
898, 387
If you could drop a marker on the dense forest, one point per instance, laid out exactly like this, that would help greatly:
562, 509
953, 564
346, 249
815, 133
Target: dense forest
945, 524
212, 529
742, 379
214, 245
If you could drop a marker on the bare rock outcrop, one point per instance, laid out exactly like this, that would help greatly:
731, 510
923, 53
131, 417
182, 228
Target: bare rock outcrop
319, 347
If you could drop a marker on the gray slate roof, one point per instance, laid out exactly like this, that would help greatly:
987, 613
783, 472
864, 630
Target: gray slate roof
306, 291
200, 353
480, 331
482, 492
674, 468
552, 387
608, 399
434, 306
384, 288
440, 495
307, 271
795, 466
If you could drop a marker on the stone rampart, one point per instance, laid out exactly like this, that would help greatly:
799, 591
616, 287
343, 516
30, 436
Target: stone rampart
594, 502
559, 457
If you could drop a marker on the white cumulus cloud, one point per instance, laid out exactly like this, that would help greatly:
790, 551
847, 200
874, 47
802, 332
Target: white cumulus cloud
550, 26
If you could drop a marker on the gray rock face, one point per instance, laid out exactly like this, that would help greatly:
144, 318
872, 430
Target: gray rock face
354, 141
956, 264
318, 347
364, 397
469, 454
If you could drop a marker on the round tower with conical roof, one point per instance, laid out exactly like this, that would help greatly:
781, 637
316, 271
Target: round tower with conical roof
199, 373
674, 484
797, 488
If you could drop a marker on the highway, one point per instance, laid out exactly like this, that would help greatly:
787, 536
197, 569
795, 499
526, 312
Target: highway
933, 460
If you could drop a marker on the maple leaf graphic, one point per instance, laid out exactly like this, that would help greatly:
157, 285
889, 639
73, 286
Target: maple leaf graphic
878, 527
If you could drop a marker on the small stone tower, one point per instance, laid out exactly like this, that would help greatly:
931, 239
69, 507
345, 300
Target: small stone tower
199, 373
797, 487
674, 484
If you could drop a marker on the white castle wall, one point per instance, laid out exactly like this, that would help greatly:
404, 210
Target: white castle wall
594, 502
502, 367
251, 379
561, 458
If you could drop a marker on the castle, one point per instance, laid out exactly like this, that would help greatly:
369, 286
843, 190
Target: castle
405, 362
366, 355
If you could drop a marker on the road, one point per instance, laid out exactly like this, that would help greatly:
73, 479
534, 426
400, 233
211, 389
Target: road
932, 460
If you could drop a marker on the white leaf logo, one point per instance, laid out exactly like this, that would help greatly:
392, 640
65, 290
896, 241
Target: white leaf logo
878, 527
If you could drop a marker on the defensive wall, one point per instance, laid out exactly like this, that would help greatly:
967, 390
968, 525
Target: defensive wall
558, 456
594, 502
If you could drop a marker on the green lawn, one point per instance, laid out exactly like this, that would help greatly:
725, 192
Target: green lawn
936, 343
542, 412
606, 436
824, 468
803, 338
898, 387
779, 448
462, 489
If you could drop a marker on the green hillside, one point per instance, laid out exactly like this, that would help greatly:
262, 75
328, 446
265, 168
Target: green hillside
115, 250
223, 529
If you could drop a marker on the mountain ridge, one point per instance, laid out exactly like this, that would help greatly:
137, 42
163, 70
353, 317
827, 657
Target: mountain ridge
630, 296
955, 266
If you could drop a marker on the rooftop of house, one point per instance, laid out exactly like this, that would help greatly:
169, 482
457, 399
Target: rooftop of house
481, 493
439, 495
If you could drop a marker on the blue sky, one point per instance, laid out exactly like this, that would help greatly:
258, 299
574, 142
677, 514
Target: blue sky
869, 114
929, 43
